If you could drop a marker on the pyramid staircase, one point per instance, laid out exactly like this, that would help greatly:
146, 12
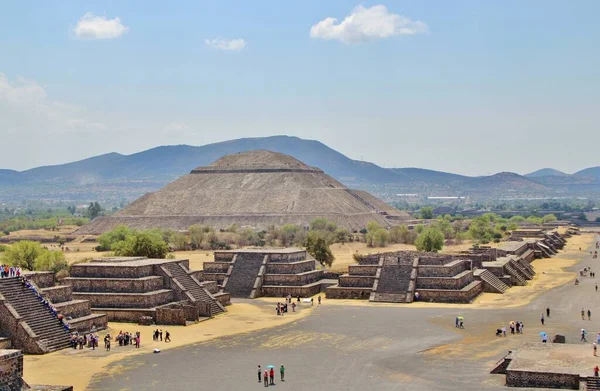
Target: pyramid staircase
592, 383
492, 282
50, 333
244, 273
194, 287
515, 274
393, 284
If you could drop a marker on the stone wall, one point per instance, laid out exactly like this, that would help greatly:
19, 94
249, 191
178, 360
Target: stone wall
41, 279
443, 271
541, 379
216, 267
357, 281
211, 286
58, 294
294, 291
456, 282
74, 309
291, 268
287, 257
170, 315
115, 285
11, 370
12, 326
362, 270
5, 343
126, 300
85, 324
111, 271
292, 279
451, 296
337, 292
126, 315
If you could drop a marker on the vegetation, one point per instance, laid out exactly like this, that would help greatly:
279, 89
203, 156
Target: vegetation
32, 256
426, 212
148, 243
431, 239
317, 246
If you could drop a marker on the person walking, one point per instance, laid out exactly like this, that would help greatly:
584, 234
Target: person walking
589, 315
596, 287
548, 312
167, 336
596, 370
504, 330
595, 348
542, 319
282, 372
266, 378
582, 314
312, 301
583, 332
293, 307
259, 374
319, 299
272, 377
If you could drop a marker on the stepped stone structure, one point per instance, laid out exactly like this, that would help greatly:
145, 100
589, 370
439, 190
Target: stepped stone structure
459, 278
132, 289
255, 189
11, 374
253, 273
29, 325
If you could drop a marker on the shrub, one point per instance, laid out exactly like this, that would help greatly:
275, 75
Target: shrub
431, 239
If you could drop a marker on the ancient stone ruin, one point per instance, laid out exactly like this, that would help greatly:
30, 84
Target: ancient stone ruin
275, 273
11, 374
139, 289
27, 323
255, 189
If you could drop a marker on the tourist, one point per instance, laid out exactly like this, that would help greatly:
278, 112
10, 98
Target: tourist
461, 324
583, 333
312, 301
282, 372
107, 342
582, 314
589, 315
518, 327
298, 299
456, 322
596, 371
293, 307
596, 287
504, 330
289, 298
595, 345
167, 336
259, 373
160, 334
278, 309
319, 299
542, 319
548, 312
544, 337
272, 377
266, 378
511, 325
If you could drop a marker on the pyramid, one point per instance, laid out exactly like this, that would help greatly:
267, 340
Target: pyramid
255, 189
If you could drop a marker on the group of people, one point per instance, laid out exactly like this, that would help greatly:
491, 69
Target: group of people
268, 377
157, 335
516, 327
583, 313
88, 340
10, 271
127, 338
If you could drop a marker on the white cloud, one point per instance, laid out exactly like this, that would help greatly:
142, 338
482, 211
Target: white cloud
230, 45
365, 24
99, 27
25, 108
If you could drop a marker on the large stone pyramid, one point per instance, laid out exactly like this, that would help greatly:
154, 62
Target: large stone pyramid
256, 189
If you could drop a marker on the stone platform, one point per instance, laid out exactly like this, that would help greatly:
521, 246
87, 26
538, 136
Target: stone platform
11, 374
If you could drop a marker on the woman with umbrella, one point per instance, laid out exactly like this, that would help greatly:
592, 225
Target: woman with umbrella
460, 322
544, 337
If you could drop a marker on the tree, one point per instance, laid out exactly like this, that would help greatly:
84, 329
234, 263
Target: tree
23, 254
94, 210
108, 239
142, 244
53, 261
431, 239
317, 246
548, 218
381, 237
178, 240
426, 212
341, 235
401, 234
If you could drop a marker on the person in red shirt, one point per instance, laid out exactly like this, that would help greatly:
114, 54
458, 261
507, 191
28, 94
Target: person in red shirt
596, 371
272, 376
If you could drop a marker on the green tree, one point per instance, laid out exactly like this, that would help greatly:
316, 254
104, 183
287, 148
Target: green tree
431, 239
94, 210
426, 212
196, 236
108, 239
178, 240
549, 218
341, 235
317, 246
381, 238
53, 261
142, 244
23, 254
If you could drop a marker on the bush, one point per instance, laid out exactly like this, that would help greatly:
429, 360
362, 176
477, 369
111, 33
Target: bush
142, 244
22, 254
53, 261
431, 239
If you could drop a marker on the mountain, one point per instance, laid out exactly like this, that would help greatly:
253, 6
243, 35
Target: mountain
546, 172
113, 178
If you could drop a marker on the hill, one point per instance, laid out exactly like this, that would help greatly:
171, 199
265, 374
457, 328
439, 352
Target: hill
114, 178
546, 172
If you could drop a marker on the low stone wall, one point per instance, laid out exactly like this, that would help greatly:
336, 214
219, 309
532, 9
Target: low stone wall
115, 285
86, 324
291, 268
211, 286
338, 292
216, 267
451, 296
170, 316
294, 291
41, 279
11, 370
357, 281
126, 300
443, 271
74, 309
542, 379
362, 270
287, 257
218, 278
111, 271
292, 279
456, 282
58, 294
223, 298
132, 315
197, 274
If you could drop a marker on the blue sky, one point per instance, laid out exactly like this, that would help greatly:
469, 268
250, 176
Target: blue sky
472, 87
